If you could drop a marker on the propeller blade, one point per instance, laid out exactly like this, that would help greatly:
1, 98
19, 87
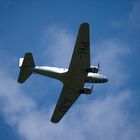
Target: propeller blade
92, 87
98, 66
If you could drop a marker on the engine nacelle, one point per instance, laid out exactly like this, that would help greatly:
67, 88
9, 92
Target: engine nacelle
93, 69
86, 91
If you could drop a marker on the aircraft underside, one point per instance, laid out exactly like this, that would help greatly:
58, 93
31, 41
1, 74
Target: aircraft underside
74, 78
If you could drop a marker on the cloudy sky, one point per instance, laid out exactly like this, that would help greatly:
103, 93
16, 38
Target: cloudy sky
48, 29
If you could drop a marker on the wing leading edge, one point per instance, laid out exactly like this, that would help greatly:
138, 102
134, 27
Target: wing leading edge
76, 75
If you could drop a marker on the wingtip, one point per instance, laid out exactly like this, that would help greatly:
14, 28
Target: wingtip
20, 82
54, 121
84, 24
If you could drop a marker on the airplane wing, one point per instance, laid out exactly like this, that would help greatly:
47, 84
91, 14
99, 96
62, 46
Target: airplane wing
76, 75
81, 54
66, 99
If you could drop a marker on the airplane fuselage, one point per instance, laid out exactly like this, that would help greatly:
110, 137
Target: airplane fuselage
62, 73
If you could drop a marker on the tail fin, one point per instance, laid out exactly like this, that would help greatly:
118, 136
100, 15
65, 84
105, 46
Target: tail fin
26, 65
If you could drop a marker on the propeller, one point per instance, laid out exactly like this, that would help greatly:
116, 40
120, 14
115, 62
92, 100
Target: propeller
92, 86
98, 66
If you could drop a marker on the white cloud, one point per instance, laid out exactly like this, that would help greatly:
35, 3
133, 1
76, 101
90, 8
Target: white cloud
110, 54
103, 118
106, 117
134, 17
59, 44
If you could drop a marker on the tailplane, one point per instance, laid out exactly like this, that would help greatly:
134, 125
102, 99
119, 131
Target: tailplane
26, 66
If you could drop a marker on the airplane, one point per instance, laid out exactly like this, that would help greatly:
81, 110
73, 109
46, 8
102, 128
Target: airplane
74, 78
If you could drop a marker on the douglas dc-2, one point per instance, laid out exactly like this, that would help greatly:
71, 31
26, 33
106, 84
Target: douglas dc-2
79, 72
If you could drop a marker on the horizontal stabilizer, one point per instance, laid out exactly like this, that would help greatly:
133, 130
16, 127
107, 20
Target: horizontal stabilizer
20, 61
26, 65
27, 61
23, 75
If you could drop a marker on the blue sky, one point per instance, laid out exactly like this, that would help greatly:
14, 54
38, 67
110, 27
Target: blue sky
48, 29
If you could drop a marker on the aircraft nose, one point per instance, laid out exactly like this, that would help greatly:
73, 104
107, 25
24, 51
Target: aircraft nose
106, 80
